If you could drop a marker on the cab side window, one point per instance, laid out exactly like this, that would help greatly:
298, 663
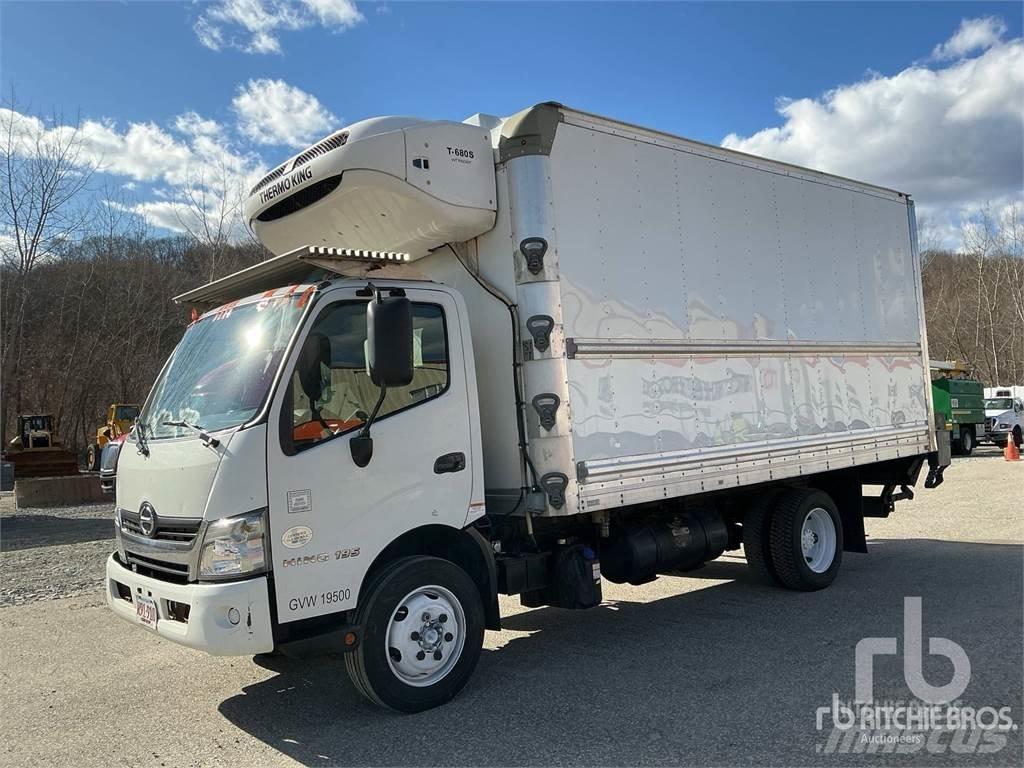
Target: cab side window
331, 390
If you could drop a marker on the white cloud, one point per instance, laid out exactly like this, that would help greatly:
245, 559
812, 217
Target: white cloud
335, 13
951, 136
973, 35
253, 25
193, 124
199, 165
142, 152
175, 215
274, 112
194, 162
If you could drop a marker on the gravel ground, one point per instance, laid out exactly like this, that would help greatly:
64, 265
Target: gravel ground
712, 669
53, 553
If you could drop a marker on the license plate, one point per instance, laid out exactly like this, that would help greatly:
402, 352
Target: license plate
145, 609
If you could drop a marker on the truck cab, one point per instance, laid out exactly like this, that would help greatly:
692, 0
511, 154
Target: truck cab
1004, 415
284, 390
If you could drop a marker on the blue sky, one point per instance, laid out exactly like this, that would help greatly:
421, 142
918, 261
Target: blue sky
706, 71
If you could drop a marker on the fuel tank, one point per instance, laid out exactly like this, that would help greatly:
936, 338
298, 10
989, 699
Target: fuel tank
680, 543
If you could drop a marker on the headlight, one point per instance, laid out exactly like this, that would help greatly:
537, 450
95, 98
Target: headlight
234, 547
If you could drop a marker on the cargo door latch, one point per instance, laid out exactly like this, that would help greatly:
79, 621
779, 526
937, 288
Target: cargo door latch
554, 484
546, 405
540, 327
533, 250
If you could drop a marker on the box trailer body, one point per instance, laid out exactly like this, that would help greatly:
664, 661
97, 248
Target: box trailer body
717, 322
627, 352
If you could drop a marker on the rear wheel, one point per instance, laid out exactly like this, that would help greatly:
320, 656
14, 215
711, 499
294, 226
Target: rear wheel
966, 440
757, 524
423, 631
92, 457
806, 539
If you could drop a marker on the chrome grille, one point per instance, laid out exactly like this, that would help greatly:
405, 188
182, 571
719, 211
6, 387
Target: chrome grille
182, 530
149, 566
321, 148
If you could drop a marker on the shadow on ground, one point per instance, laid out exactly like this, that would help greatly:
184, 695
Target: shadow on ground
982, 451
729, 673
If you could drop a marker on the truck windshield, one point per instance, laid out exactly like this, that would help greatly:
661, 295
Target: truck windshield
999, 404
220, 372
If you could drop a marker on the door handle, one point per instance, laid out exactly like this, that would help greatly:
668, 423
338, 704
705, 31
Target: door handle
450, 462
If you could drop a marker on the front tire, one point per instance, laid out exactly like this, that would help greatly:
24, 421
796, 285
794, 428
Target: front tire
423, 631
92, 457
806, 540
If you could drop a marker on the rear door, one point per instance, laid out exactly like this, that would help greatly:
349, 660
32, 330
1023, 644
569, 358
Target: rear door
329, 518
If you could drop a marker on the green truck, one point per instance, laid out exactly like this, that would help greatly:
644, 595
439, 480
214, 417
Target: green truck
962, 402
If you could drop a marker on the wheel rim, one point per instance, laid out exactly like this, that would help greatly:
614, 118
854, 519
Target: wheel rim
818, 540
425, 636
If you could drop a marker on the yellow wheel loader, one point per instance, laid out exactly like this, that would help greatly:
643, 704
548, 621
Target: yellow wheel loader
120, 418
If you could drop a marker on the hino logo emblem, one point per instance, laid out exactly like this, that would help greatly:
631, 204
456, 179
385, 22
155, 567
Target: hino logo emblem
147, 519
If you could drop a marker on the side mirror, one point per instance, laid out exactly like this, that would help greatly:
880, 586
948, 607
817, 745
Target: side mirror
389, 341
389, 358
316, 351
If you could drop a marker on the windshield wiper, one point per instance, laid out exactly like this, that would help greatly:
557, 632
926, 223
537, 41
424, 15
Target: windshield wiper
140, 438
208, 440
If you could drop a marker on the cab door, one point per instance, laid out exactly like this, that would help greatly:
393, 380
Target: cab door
329, 518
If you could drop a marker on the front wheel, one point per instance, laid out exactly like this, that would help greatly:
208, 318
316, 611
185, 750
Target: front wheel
92, 458
806, 540
423, 631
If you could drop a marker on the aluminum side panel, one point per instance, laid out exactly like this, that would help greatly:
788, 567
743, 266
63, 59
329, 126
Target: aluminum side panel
670, 253
627, 407
657, 243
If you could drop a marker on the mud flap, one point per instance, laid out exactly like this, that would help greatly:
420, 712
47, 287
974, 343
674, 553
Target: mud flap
935, 470
939, 459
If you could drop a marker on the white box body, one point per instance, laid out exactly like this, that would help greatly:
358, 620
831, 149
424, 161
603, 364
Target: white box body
719, 320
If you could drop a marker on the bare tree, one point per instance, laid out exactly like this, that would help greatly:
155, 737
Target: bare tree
974, 299
211, 210
43, 173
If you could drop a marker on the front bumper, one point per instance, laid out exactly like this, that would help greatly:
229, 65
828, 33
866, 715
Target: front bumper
204, 608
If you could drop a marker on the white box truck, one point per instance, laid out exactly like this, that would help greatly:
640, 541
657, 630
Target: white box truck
514, 356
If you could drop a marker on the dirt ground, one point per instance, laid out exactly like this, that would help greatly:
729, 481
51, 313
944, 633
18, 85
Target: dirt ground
709, 669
